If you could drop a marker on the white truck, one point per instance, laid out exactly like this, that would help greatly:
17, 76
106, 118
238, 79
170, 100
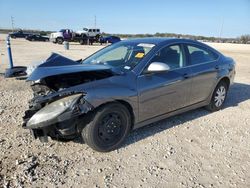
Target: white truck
79, 36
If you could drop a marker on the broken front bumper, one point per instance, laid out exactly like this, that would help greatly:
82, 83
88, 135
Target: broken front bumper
57, 119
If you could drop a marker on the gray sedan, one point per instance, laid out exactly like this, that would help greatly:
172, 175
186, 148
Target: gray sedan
125, 86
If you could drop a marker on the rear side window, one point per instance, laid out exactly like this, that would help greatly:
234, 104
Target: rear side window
200, 55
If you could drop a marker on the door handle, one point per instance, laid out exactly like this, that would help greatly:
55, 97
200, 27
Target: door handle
216, 67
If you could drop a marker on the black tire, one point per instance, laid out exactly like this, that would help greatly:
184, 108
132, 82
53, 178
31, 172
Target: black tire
97, 37
82, 41
59, 40
84, 36
107, 128
215, 104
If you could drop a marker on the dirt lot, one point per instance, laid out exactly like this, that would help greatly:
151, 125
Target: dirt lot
194, 149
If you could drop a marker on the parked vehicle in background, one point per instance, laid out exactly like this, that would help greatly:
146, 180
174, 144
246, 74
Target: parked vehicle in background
37, 38
60, 36
109, 39
90, 32
19, 34
71, 36
125, 86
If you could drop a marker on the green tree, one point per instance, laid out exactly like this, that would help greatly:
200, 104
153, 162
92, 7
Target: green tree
245, 39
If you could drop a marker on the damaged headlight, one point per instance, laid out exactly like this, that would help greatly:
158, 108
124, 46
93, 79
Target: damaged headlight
50, 112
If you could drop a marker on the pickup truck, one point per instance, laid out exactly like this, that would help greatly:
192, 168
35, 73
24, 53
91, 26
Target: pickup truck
71, 36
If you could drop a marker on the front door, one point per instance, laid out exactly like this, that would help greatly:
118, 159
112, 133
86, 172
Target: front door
163, 92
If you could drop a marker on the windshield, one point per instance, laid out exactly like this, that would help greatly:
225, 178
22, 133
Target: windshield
122, 55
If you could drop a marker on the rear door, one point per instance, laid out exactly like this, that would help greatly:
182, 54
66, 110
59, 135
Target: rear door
204, 65
163, 92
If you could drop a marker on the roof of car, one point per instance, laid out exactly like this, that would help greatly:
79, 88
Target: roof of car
158, 40
165, 41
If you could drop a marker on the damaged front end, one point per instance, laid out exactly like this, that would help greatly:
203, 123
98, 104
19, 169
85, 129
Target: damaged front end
57, 110
57, 117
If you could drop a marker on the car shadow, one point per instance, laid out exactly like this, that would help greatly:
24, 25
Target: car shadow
237, 94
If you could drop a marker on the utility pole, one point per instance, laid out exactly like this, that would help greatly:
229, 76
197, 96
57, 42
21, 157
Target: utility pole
12, 23
95, 21
221, 29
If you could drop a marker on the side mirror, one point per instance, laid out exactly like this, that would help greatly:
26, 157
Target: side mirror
157, 67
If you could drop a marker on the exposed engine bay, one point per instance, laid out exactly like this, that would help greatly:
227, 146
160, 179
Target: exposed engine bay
51, 84
59, 82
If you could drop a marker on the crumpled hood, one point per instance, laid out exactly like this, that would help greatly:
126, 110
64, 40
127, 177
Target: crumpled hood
57, 65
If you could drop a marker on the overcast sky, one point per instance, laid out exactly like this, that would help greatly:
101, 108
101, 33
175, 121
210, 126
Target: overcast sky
197, 17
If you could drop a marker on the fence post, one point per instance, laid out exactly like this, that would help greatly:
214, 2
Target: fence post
9, 51
2, 60
13, 71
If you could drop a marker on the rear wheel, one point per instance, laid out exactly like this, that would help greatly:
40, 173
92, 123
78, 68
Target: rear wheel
97, 37
108, 127
218, 98
82, 41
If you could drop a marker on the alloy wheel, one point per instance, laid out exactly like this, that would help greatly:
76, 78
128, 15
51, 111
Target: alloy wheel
220, 96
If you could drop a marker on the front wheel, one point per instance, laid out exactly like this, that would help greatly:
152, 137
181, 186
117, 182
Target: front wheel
108, 127
59, 40
218, 98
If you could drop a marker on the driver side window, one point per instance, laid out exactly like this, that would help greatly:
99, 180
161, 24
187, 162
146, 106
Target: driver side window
171, 55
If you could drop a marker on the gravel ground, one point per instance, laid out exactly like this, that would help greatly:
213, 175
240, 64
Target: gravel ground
194, 149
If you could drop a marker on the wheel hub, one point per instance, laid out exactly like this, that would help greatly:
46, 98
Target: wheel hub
220, 96
110, 127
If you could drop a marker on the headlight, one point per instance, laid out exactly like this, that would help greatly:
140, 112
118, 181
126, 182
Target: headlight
51, 111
